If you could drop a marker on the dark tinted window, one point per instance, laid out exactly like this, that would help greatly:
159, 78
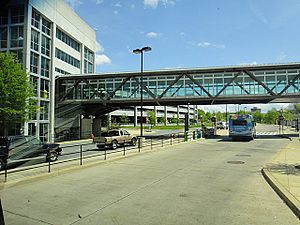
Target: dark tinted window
239, 122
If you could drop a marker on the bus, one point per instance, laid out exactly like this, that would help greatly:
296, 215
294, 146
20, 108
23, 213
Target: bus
241, 126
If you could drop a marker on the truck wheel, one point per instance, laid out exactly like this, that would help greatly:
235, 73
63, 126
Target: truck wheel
114, 144
133, 141
2, 164
52, 156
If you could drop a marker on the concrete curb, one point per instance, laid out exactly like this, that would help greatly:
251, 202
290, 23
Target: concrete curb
284, 194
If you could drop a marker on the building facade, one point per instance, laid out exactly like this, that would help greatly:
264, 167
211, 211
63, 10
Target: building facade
49, 38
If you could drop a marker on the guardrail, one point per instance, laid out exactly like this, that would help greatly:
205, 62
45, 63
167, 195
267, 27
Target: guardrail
84, 154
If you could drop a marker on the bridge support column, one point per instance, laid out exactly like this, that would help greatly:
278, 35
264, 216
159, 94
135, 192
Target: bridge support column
165, 115
188, 113
178, 115
135, 117
155, 113
108, 120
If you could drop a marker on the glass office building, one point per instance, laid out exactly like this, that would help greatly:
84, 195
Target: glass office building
48, 38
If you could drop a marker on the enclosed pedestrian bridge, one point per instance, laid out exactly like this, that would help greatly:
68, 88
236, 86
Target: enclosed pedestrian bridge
199, 86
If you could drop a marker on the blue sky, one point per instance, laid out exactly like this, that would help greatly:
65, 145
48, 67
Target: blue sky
192, 33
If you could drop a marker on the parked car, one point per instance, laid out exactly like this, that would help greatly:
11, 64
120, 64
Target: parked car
17, 150
114, 138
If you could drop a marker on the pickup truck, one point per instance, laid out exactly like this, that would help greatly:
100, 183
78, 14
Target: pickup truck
114, 138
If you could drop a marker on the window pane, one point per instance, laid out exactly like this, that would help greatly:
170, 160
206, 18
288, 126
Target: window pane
34, 40
16, 36
3, 37
17, 14
34, 58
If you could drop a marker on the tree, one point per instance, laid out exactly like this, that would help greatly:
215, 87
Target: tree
16, 92
271, 116
258, 116
124, 119
152, 118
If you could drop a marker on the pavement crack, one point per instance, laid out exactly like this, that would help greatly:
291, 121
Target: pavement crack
28, 217
128, 195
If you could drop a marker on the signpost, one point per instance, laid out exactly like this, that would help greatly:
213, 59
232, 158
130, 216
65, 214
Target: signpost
280, 124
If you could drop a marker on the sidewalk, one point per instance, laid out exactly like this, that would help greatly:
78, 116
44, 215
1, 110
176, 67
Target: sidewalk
283, 174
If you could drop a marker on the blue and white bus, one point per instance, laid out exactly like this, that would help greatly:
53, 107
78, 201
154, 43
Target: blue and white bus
241, 126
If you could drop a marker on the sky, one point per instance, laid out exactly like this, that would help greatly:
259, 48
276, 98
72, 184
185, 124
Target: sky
192, 33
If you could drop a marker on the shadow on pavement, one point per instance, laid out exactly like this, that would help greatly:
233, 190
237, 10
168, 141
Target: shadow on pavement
283, 168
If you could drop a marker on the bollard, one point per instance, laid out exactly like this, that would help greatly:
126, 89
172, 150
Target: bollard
105, 154
49, 167
151, 143
185, 136
194, 135
80, 155
162, 142
5, 174
124, 150
2, 222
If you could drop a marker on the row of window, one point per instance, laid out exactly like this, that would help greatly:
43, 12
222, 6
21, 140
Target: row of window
67, 39
34, 65
88, 61
67, 58
60, 71
16, 37
44, 87
45, 47
16, 15
37, 20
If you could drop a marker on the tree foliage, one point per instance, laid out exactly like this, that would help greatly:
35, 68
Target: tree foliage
15, 92
152, 118
124, 119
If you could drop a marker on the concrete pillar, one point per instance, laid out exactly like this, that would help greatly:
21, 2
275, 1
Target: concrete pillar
155, 113
108, 120
165, 115
135, 117
188, 112
178, 115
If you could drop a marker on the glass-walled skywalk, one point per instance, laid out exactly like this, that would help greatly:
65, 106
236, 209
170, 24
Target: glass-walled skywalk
236, 84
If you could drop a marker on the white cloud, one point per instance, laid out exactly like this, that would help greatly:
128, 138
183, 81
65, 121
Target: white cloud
98, 2
99, 47
209, 45
118, 4
154, 3
102, 59
281, 57
116, 12
258, 14
73, 3
152, 34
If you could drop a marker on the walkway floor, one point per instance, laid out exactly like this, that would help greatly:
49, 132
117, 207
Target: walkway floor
283, 174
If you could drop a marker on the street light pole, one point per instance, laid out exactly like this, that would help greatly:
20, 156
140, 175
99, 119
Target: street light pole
141, 51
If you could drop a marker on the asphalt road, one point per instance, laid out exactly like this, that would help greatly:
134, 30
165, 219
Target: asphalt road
215, 181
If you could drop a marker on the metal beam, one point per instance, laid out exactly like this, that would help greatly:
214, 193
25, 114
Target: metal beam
226, 85
199, 85
290, 83
172, 83
118, 88
259, 82
69, 91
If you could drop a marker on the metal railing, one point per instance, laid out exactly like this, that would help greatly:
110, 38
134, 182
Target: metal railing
82, 154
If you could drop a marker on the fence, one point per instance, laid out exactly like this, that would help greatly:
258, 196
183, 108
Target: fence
82, 154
